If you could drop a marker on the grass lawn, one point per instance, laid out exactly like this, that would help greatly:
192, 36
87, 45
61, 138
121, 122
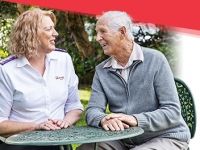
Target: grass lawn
84, 93
84, 96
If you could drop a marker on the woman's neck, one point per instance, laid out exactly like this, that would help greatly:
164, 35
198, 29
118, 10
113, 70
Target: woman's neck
38, 63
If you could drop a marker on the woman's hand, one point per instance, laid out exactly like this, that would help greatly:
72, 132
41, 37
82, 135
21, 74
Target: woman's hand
70, 118
62, 123
48, 125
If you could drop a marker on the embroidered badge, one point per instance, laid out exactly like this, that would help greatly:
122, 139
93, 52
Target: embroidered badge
59, 77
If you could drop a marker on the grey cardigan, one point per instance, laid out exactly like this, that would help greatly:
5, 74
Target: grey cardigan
149, 94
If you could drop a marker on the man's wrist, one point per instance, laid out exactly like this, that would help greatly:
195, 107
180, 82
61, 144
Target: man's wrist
135, 122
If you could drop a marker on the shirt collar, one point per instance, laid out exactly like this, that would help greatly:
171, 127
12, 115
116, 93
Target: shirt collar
22, 61
136, 54
51, 56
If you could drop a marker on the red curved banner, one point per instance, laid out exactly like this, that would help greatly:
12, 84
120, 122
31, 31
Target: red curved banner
172, 13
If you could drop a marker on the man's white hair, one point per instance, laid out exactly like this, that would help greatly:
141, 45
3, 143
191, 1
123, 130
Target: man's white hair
118, 19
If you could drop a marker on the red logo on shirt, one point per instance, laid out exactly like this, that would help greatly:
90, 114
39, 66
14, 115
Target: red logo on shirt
59, 77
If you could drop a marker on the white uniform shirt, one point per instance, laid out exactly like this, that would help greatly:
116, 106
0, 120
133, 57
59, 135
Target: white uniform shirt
27, 96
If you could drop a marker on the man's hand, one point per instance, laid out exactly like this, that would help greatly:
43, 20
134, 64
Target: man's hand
113, 124
118, 122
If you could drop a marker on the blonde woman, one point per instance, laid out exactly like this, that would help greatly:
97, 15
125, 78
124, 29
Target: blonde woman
38, 83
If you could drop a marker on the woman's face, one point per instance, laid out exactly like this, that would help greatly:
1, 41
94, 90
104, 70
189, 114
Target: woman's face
47, 35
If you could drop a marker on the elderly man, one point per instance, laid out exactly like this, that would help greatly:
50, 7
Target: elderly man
138, 86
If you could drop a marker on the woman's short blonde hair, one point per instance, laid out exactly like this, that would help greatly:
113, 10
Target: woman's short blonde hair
24, 38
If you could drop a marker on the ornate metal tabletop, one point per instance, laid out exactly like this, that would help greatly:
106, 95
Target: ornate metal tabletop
76, 134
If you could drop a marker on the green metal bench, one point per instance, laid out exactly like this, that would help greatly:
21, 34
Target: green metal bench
187, 105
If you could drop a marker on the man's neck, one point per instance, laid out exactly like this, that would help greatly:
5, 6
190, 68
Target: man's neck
122, 57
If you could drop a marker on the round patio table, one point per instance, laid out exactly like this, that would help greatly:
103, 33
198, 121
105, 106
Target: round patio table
72, 135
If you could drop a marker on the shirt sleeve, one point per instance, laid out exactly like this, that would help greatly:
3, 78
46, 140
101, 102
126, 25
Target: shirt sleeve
73, 101
6, 95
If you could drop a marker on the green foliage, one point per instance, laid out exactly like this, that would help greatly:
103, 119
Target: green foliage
3, 54
5, 29
84, 67
8, 10
8, 13
161, 39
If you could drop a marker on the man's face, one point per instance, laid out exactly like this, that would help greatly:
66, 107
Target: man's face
107, 38
47, 35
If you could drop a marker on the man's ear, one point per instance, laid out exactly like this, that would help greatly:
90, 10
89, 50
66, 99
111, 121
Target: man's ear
122, 30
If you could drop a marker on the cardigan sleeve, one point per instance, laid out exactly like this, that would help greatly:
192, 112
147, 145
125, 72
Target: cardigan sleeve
97, 104
168, 113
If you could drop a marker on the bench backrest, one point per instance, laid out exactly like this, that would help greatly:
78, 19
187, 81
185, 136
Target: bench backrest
187, 105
